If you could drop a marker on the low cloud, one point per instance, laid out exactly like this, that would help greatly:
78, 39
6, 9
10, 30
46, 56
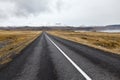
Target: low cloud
68, 12
24, 7
32, 6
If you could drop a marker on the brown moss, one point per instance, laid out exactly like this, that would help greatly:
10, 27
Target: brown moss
105, 41
15, 41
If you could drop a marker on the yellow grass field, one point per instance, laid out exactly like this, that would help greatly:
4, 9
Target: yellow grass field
12, 42
109, 42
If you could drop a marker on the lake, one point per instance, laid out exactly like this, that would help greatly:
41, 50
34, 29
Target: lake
111, 31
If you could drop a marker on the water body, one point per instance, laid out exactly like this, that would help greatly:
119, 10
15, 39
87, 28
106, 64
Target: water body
110, 31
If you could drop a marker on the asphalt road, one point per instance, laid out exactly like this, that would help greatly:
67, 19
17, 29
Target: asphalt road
53, 58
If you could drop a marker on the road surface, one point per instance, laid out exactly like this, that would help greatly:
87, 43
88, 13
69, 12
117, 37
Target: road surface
53, 58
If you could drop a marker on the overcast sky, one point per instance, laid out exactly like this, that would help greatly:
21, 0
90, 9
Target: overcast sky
66, 12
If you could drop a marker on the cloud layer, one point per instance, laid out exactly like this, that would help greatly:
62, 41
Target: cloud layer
67, 12
24, 7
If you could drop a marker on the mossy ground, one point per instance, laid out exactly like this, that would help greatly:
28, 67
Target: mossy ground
105, 41
14, 42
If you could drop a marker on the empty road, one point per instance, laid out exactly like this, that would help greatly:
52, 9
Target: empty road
54, 58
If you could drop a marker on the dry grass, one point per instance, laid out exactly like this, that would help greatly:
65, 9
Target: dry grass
12, 42
105, 41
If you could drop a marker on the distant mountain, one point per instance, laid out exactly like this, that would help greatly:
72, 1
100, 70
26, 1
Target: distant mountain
113, 27
88, 28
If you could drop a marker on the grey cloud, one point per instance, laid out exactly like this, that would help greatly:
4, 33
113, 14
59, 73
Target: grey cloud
70, 12
27, 7
32, 6
59, 4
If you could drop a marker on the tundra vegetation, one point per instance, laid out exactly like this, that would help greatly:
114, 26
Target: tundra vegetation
12, 42
109, 42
